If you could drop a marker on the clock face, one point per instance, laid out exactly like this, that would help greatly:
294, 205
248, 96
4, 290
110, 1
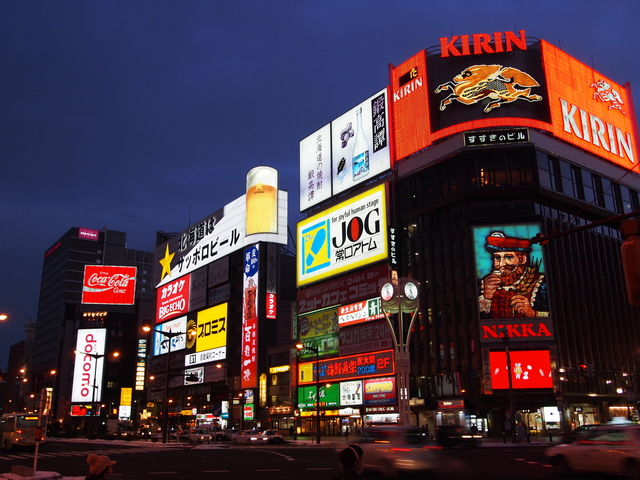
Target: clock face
411, 290
386, 292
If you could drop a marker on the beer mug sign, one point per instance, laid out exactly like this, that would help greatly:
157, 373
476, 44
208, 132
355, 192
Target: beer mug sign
262, 201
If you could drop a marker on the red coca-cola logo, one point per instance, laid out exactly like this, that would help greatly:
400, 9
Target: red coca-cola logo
109, 285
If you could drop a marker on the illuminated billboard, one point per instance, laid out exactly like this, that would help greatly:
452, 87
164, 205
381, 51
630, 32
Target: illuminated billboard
162, 343
510, 272
211, 328
346, 368
109, 285
506, 80
360, 312
529, 369
249, 341
352, 149
590, 111
172, 299
89, 365
214, 237
410, 96
380, 391
349, 235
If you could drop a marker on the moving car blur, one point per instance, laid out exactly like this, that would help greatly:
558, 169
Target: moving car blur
249, 437
577, 432
610, 449
394, 450
274, 436
455, 435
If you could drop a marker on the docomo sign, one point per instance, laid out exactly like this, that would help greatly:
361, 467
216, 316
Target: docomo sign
88, 368
109, 285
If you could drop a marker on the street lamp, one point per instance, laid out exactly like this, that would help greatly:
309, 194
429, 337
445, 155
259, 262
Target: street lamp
315, 350
96, 357
401, 296
3, 317
165, 395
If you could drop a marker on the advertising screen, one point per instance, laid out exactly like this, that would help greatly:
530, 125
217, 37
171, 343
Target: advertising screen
529, 369
360, 312
88, 367
109, 285
172, 299
214, 237
351, 393
347, 236
380, 391
329, 396
588, 109
365, 337
249, 353
161, 343
211, 328
346, 368
352, 149
410, 96
315, 168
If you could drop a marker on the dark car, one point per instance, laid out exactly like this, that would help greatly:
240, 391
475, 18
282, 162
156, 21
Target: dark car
456, 435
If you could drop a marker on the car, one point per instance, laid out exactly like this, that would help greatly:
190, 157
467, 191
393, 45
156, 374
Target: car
274, 436
577, 432
397, 450
229, 433
249, 437
456, 435
610, 449
202, 435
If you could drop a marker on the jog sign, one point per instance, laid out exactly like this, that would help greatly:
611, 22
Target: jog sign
109, 285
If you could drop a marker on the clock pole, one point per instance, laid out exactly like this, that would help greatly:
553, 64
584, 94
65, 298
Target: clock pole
401, 296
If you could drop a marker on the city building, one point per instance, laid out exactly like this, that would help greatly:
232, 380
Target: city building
497, 139
225, 294
61, 313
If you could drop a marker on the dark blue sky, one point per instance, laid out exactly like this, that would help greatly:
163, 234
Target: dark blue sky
143, 115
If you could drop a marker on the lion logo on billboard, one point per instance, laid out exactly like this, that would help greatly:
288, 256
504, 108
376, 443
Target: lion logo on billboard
497, 83
605, 93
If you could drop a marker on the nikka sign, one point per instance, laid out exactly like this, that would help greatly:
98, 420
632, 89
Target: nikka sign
109, 285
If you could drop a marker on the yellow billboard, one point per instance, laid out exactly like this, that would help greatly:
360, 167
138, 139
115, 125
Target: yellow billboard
212, 328
347, 236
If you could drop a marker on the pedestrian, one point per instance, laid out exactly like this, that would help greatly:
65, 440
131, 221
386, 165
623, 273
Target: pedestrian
99, 467
346, 432
292, 430
352, 462
522, 432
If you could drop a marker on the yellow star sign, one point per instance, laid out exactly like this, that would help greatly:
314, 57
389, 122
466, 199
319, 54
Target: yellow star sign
166, 263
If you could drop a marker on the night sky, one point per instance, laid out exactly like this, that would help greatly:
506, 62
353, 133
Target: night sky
146, 115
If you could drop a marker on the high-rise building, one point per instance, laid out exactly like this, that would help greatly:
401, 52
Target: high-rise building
61, 294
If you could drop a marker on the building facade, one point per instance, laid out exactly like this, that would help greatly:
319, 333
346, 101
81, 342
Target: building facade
496, 140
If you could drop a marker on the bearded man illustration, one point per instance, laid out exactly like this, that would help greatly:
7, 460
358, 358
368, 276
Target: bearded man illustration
515, 288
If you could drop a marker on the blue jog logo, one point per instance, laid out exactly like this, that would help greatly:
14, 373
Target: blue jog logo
316, 248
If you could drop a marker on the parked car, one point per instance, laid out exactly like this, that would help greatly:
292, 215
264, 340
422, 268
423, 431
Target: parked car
611, 449
274, 436
249, 437
395, 450
229, 433
202, 435
577, 432
456, 435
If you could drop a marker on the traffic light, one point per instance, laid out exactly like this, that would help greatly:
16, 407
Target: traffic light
583, 369
591, 370
630, 252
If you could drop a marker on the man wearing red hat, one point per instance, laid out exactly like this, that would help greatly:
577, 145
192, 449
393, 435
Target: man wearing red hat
515, 288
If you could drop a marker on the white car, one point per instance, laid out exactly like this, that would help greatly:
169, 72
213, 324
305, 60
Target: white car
395, 450
274, 436
249, 437
202, 435
613, 448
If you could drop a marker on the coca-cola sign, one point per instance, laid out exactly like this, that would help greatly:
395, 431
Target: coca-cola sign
109, 285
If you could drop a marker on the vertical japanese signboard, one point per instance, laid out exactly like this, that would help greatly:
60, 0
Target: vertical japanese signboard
87, 372
249, 355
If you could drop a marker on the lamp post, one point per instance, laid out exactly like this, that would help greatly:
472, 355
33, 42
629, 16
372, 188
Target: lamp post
401, 296
3, 317
315, 350
165, 395
96, 357
512, 413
